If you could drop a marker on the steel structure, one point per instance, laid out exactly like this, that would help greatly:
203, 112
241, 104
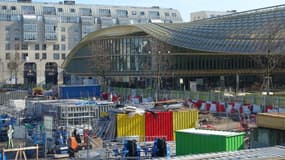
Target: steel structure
220, 46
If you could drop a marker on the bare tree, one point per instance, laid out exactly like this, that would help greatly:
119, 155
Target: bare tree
271, 55
100, 60
161, 62
13, 66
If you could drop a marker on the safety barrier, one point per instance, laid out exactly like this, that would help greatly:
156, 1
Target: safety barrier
6, 96
205, 96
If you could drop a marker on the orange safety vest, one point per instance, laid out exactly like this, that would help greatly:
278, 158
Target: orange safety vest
73, 143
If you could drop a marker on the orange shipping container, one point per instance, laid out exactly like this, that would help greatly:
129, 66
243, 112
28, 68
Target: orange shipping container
131, 125
184, 119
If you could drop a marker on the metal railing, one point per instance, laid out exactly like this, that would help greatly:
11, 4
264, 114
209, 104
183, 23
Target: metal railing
278, 101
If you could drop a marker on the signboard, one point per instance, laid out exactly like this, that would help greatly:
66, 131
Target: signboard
48, 123
193, 86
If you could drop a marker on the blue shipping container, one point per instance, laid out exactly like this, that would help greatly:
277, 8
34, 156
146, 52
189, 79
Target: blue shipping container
80, 91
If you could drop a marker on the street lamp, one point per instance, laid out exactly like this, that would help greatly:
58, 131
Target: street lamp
158, 75
181, 82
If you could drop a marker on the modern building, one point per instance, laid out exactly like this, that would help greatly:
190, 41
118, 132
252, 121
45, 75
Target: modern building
37, 37
208, 14
226, 51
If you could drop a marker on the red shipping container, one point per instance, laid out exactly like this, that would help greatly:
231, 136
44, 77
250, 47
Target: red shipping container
158, 124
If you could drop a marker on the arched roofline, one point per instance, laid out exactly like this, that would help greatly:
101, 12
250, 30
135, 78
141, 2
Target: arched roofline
106, 32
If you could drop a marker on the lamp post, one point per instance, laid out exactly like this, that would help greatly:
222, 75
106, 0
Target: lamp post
157, 76
181, 83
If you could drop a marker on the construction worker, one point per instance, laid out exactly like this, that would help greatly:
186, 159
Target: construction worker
77, 136
10, 137
73, 146
85, 136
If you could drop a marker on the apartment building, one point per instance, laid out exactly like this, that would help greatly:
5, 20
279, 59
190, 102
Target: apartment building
37, 37
208, 14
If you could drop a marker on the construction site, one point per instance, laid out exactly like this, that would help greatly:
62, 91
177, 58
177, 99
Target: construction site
110, 126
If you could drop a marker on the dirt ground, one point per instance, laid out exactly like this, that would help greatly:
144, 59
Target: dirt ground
223, 122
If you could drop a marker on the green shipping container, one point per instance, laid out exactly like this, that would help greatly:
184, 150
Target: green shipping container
196, 141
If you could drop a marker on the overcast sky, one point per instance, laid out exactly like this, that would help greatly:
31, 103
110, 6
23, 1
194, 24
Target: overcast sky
187, 6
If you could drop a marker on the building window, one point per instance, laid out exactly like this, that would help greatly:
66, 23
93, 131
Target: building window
55, 47
51, 36
72, 10
7, 47
44, 47
25, 56
37, 47
104, 13
63, 56
7, 56
59, 9
4, 7
85, 11
62, 38
49, 10
134, 12
173, 14
153, 14
24, 46
17, 37
63, 47
70, 19
166, 14
13, 8
122, 13
37, 56
44, 56
56, 56
28, 9
62, 29
30, 36
30, 27
142, 13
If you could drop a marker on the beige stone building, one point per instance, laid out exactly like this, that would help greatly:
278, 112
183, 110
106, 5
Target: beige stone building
37, 37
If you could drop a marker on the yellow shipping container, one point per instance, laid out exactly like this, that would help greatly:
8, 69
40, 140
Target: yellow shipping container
184, 119
131, 125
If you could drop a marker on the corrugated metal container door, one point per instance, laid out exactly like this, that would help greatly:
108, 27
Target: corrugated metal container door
131, 125
158, 124
184, 119
196, 141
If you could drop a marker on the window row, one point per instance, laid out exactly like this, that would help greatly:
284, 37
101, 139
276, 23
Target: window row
25, 56
88, 11
146, 62
24, 46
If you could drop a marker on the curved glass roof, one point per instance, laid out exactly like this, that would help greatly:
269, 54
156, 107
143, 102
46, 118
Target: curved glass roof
250, 32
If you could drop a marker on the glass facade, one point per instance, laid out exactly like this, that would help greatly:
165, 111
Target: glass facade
139, 54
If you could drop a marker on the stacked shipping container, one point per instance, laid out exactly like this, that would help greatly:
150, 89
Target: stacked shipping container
184, 119
155, 124
131, 125
158, 124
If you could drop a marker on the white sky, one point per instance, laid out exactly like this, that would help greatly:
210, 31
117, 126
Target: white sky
185, 7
